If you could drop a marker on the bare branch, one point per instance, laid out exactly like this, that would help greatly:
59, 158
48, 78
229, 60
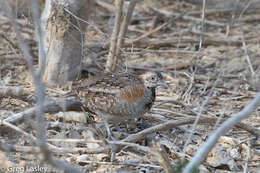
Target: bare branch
15, 91
117, 39
244, 42
175, 123
50, 107
110, 65
202, 23
42, 53
228, 124
40, 89
124, 26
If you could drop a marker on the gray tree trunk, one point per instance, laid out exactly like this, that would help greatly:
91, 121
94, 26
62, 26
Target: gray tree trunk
63, 29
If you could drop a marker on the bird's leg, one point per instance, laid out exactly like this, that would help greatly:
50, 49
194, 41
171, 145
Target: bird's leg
131, 125
109, 133
114, 147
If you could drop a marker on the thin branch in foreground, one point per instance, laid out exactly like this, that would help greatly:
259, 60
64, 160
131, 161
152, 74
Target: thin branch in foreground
42, 53
39, 88
199, 115
19, 130
228, 124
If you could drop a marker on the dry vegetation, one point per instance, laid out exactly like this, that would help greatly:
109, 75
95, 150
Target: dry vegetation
216, 81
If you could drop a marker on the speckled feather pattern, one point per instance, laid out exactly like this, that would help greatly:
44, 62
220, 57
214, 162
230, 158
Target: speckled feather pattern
117, 96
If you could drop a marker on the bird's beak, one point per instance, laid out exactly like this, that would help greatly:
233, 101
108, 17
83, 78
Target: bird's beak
163, 84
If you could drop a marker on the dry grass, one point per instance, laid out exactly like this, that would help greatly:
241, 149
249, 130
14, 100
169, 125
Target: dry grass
217, 81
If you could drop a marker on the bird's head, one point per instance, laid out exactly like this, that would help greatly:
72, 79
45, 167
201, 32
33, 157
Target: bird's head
153, 80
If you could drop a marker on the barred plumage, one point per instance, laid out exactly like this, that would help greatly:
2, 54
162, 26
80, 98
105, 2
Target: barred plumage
120, 96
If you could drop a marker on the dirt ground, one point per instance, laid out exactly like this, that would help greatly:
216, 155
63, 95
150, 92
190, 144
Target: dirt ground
217, 81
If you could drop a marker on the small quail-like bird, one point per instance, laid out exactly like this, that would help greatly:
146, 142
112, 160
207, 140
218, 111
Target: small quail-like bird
118, 97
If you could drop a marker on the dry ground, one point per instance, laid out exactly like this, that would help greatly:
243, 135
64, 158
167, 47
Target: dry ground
217, 80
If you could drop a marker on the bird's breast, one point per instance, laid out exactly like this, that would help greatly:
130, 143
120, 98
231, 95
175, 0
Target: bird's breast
133, 93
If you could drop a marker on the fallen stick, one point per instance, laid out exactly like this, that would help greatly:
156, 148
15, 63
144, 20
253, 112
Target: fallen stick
50, 107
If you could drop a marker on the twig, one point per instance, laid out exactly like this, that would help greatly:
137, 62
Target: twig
124, 26
244, 43
105, 5
149, 33
82, 20
175, 123
157, 43
250, 18
17, 129
117, 39
14, 47
51, 107
39, 87
202, 23
183, 42
162, 158
42, 53
186, 17
123, 163
58, 150
228, 124
177, 51
223, 11
110, 65
12, 91
199, 115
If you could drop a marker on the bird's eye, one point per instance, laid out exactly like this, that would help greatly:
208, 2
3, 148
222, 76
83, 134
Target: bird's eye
153, 78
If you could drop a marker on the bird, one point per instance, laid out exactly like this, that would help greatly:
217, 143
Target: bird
119, 97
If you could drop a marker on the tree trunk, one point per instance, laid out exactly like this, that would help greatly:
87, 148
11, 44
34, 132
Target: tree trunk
63, 29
